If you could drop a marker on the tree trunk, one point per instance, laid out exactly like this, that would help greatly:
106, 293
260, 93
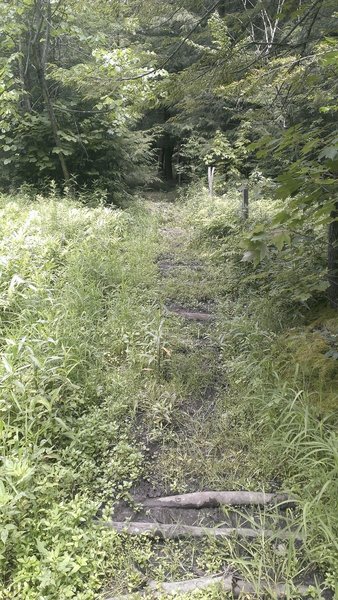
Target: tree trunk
178, 169
168, 162
176, 531
161, 160
222, 8
54, 126
41, 52
333, 258
25, 96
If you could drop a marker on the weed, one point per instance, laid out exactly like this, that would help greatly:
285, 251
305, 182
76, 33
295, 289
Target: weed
78, 329
95, 375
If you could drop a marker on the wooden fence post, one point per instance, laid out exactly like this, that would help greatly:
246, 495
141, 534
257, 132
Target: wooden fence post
211, 174
245, 202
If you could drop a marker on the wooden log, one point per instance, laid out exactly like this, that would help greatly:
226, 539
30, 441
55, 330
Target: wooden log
184, 587
213, 499
158, 589
238, 587
241, 587
176, 531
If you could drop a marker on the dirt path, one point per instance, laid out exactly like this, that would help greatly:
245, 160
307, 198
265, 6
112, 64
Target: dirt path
185, 453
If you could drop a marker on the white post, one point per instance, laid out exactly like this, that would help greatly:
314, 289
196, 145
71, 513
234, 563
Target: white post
211, 174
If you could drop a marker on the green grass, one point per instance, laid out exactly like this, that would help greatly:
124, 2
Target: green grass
282, 372
101, 389
78, 322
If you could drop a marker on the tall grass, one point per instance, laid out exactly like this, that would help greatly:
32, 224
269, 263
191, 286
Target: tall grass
83, 354
278, 353
78, 326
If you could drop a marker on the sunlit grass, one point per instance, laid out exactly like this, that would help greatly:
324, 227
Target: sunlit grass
94, 373
78, 324
282, 376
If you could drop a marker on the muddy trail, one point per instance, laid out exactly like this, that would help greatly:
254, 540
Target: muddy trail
205, 507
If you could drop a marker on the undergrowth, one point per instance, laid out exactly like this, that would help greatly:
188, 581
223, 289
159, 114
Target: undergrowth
279, 349
78, 324
96, 377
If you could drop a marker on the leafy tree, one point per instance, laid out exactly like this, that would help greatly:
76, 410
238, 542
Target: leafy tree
88, 88
270, 69
70, 109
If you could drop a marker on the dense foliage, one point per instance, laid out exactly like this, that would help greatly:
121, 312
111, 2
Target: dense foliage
77, 329
66, 111
97, 99
281, 364
93, 376
89, 90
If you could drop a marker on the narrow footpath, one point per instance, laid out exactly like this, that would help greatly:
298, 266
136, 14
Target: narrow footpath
202, 508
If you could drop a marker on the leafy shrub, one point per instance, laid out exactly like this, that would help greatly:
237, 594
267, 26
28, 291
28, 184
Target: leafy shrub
279, 346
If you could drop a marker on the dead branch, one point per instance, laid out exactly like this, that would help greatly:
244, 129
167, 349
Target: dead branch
176, 531
278, 590
213, 499
182, 587
238, 587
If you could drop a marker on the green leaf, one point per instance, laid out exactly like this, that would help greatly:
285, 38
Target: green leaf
44, 402
281, 218
7, 366
330, 152
41, 548
280, 238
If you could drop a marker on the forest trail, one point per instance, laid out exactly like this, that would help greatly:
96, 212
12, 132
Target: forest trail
190, 357
198, 539
155, 409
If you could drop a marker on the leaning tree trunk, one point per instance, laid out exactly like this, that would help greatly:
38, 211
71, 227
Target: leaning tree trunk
26, 103
54, 126
333, 258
